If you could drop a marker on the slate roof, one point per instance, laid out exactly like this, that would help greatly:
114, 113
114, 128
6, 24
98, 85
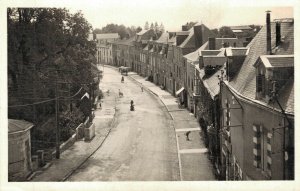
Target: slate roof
172, 40
245, 81
164, 38
189, 39
189, 42
15, 125
107, 35
211, 83
142, 32
194, 56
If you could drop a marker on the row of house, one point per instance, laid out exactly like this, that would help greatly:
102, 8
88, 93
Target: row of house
242, 95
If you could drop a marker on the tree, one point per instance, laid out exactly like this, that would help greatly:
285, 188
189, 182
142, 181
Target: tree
156, 28
138, 29
226, 32
46, 45
146, 27
162, 28
215, 31
152, 26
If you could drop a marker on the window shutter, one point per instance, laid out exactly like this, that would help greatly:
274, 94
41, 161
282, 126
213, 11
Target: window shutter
259, 83
257, 146
269, 153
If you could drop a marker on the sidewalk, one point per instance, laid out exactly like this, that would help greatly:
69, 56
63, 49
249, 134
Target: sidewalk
193, 156
77, 154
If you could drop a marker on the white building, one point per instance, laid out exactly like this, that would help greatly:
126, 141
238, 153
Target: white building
19, 149
104, 47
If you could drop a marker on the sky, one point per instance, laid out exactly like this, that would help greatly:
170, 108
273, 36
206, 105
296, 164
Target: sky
174, 13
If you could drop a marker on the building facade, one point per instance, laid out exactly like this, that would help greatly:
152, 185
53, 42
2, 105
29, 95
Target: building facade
104, 47
19, 149
257, 101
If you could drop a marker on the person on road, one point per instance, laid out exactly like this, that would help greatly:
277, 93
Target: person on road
122, 79
100, 106
131, 106
142, 88
187, 135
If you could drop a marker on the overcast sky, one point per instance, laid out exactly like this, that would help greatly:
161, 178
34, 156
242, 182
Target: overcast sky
174, 13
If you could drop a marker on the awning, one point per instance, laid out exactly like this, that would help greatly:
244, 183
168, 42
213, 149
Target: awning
179, 91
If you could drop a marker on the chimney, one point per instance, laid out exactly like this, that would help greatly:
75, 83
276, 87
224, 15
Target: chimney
212, 43
184, 28
198, 33
278, 33
268, 20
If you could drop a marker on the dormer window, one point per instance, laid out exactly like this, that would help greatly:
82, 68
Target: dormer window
270, 69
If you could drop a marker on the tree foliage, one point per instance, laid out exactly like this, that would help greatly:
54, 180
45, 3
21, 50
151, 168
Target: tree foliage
45, 46
226, 32
123, 31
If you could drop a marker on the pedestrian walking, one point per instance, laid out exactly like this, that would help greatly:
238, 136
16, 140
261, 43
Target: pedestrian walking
142, 88
100, 106
187, 135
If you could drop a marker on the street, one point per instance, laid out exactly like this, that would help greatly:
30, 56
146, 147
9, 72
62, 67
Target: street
142, 144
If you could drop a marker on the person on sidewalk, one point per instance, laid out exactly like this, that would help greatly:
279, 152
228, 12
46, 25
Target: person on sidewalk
187, 135
100, 106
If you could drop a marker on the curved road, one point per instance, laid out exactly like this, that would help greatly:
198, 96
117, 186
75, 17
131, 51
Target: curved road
142, 143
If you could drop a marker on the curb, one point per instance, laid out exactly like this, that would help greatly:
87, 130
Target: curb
97, 148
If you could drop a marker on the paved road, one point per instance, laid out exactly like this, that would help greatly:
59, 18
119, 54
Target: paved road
142, 144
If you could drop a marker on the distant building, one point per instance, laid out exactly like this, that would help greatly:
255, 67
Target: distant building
91, 37
19, 149
240, 29
104, 47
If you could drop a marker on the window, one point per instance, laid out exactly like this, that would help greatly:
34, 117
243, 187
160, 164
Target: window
260, 82
262, 149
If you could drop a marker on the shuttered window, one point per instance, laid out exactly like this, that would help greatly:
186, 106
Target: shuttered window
257, 130
259, 83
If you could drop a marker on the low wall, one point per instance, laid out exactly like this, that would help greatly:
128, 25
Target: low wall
68, 143
80, 131
89, 132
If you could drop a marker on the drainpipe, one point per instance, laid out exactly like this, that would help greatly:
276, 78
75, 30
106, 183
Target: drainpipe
268, 21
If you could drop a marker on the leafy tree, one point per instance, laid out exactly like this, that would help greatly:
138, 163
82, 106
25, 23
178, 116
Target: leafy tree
215, 31
162, 28
46, 45
226, 32
156, 28
138, 29
146, 27
151, 26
